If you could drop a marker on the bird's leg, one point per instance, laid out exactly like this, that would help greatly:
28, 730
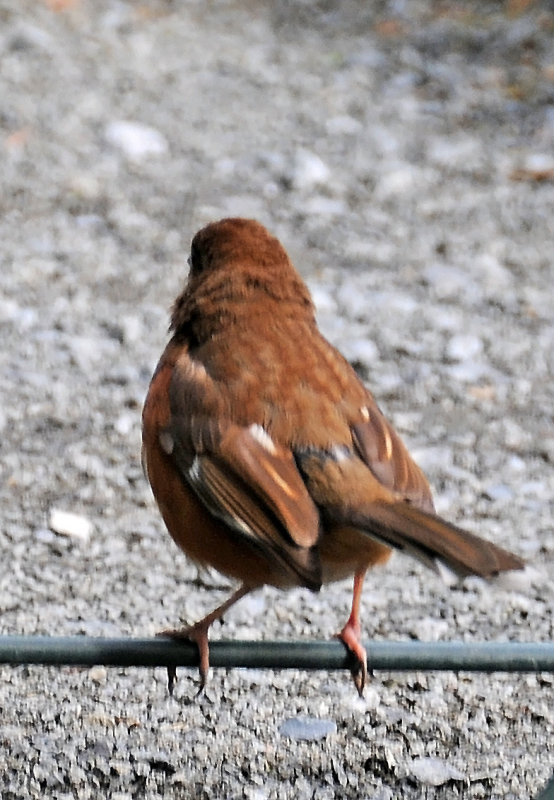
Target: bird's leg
351, 635
198, 632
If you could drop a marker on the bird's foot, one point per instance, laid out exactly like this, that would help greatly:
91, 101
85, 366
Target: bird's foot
197, 633
351, 638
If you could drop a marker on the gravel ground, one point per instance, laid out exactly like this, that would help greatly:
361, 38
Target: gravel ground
404, 154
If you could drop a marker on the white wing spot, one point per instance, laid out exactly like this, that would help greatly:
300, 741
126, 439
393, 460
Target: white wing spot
212, 503
447, 575
364, 411
388, 443
195, 369
167, 442
262, 437
340, 453
194, 469
199, 370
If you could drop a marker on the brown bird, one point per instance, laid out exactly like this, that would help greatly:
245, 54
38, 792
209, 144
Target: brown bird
269, 459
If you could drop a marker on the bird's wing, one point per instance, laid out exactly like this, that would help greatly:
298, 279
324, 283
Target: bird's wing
349, 495
240, 474
382, 450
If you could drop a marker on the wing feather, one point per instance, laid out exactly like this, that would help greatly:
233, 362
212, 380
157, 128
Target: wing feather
380, 447
242, 476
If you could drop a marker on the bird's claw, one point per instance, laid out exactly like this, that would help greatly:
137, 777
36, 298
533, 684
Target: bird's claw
171, 679
359, 676
197, 633
350, 637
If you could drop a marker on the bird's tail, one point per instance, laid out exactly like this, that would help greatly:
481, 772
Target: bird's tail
434, 541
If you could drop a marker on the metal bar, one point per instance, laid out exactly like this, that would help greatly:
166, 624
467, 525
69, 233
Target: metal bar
548, 791
129, 652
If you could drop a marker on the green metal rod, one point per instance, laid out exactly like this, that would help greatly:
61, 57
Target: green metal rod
130, 652
548, 791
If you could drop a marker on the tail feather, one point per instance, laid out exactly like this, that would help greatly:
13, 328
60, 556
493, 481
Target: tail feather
430, 538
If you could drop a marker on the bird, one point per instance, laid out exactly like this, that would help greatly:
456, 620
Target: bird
268, 457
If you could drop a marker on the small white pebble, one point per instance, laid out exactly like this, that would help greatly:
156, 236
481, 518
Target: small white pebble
135, 140
307, 728
468, 371
460, 151
539, 162
125, 423
132, 328
310, 170
434, 771
499, 491
256, 793
395, 182
463, 347
517, 580
98, 674
68, 524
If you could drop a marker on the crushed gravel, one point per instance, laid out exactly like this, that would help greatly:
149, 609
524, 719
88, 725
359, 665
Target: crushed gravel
404, 154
